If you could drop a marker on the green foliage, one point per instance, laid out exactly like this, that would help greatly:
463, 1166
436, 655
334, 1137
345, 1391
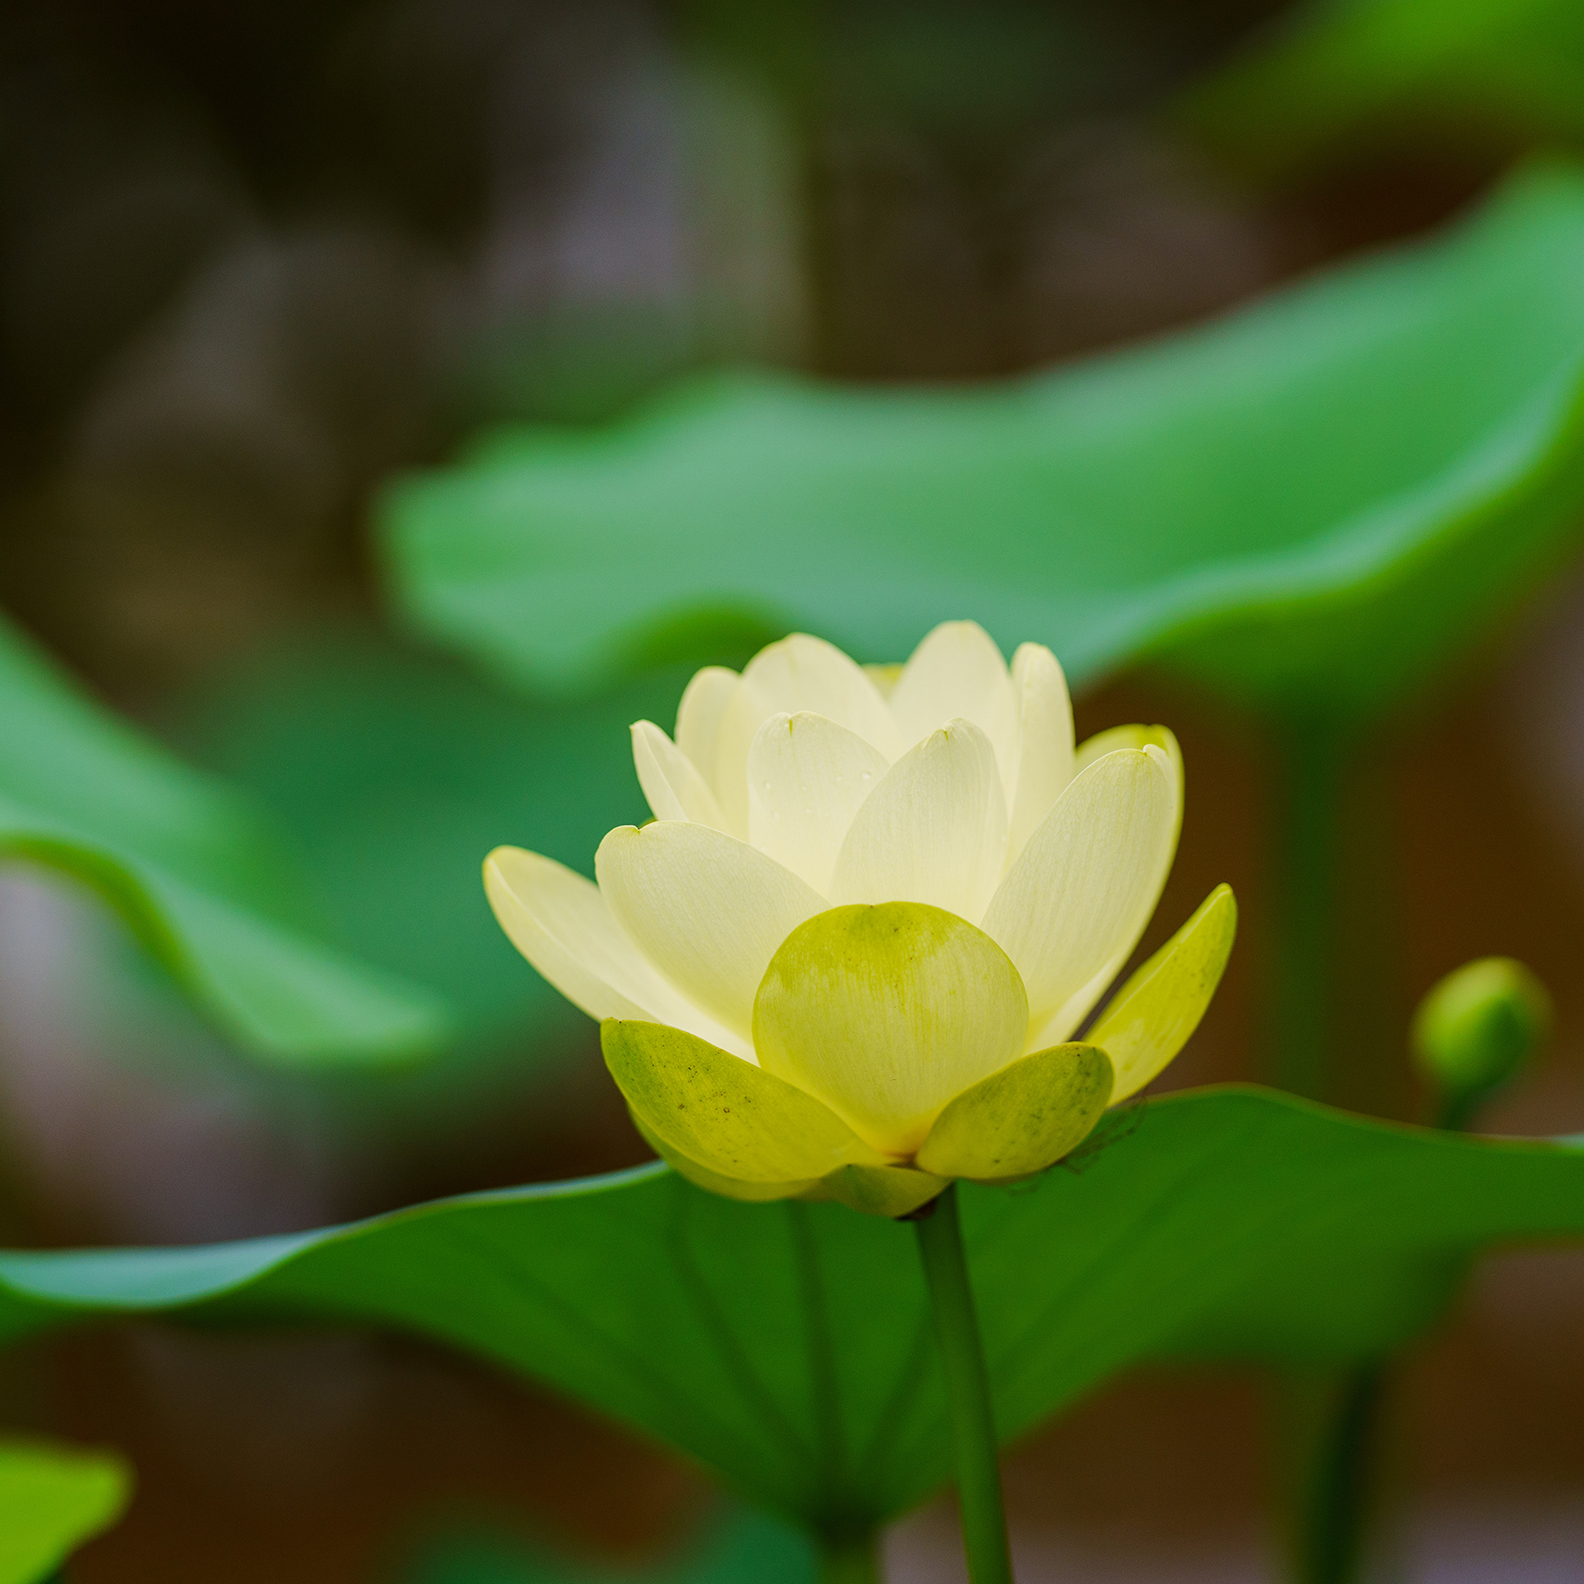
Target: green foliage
53, 1500
197, 874
393, 773
1312, 504
788, 1345
746, 1546
1342, 76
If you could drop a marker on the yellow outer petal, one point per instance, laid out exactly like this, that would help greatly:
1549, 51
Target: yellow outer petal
727, 1187
886, 1012
1022, 1119
878, 1190
1152, 1016
724, 1113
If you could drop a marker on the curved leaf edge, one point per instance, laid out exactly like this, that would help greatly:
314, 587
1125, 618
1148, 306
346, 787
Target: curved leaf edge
177, 1276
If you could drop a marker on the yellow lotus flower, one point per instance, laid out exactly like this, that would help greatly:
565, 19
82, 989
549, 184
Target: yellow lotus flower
847, 957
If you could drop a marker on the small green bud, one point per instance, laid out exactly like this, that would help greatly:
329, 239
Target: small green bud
1475, 1031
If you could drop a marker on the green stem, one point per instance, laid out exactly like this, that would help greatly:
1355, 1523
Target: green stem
1338, 1490
967, 1391
852, 1560
1305, 870
1327, 1011
1333, 1004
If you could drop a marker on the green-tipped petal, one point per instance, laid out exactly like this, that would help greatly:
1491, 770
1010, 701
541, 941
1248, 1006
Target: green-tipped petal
714, 1182
1150, 1018
722, 1112
886, 1012
1023, 1118
879, 1190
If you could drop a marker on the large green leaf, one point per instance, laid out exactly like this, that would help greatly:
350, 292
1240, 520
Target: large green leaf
1311, 503
53, 1500
195, 872
788, 1345
1337, 76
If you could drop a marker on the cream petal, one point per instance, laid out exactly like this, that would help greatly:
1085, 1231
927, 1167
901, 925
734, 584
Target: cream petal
1102, 743
799, 673
885, 1013
958, 673
884, 677
1074, 904
1045, 742
708, 911
561, 924
933, 831
671, 783
699, 715
807, 779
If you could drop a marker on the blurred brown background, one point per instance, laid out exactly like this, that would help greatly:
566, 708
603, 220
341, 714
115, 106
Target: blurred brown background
254, 257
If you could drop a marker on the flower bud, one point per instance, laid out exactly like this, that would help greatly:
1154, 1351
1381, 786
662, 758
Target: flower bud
1475, 1031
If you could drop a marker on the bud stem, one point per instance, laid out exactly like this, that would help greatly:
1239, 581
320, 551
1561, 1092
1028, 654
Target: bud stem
968, 1393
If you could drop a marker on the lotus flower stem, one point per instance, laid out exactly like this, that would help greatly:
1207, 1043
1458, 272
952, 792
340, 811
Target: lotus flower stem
851, 1561
1338, 1499
968, 1392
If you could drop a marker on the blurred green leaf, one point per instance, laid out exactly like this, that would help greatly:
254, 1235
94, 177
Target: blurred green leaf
788, 1345
1337, 77
197, 874
1313, 503
53, 1500
394, 772
747, 1546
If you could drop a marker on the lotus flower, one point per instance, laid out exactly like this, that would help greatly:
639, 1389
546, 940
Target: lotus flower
848, 956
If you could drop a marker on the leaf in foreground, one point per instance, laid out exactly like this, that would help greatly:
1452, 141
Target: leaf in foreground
197, 874
788, 1346
53, 1500
1314, 502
